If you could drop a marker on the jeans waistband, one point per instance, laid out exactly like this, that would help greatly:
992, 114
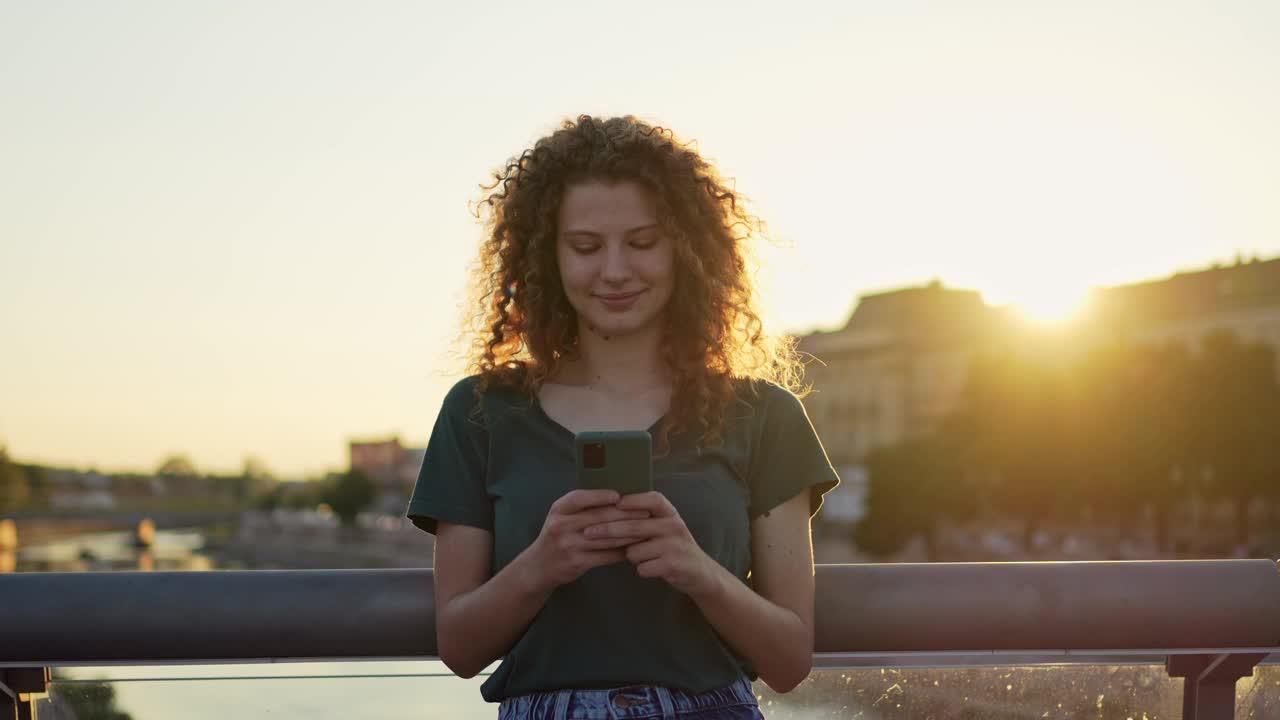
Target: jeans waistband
623, 703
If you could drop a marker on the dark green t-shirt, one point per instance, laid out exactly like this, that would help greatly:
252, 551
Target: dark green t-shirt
501, 464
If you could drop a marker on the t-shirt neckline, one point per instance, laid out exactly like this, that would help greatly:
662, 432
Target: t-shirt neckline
561, 429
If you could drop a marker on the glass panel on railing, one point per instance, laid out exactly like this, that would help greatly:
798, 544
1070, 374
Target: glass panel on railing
1258, 697
426, 689
283, 691
1129, 692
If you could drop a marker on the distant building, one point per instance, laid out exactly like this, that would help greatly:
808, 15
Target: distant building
75, 490
381, 460
1185, 308
901, 362
392, 467
896, 368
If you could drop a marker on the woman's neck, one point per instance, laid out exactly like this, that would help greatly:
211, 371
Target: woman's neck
617, 363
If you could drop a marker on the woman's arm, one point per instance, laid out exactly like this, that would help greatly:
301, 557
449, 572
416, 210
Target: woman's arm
478, 617
771, 626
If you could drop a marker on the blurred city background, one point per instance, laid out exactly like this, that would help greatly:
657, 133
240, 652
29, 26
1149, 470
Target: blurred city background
1147, 426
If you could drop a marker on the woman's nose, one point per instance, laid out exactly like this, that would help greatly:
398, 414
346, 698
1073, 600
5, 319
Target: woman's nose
617, 266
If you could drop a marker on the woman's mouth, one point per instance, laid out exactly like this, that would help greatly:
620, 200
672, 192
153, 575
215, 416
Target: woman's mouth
619, 301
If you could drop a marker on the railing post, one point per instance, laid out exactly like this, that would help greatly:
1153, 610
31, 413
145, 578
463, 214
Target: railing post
1209, 682
17, 685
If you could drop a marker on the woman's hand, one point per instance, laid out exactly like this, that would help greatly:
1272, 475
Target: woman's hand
661, 546
563, 552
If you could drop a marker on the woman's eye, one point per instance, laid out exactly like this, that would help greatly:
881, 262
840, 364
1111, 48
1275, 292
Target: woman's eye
584, 249
644, 244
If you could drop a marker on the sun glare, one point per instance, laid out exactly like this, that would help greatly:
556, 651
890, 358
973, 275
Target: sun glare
1049, 310
1040, 299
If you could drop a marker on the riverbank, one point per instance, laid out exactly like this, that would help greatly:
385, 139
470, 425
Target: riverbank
43, 528
307, 540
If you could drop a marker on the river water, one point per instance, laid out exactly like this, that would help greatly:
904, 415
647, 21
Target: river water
107, 551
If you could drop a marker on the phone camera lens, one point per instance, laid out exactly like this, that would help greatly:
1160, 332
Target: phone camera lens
593, 455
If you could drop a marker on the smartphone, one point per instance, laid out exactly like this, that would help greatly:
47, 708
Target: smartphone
616, 460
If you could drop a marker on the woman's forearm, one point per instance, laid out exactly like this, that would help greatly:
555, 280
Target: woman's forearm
776, 641
478, 626
482, 625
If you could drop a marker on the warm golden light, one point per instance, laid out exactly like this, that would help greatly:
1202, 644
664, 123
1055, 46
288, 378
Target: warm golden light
1050, 309
1043, 298
201, 267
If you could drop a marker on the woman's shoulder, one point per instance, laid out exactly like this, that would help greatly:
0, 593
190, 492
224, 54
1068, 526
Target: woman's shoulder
762, 392
757, 399
479, 391
465, 387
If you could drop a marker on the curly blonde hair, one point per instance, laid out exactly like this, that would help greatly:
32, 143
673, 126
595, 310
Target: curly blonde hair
524, 325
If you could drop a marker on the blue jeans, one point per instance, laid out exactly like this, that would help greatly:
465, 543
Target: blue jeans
734, 702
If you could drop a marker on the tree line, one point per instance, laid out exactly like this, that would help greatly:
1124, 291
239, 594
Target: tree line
28, 487
1112, 432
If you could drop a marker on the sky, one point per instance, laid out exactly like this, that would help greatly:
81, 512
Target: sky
233, 229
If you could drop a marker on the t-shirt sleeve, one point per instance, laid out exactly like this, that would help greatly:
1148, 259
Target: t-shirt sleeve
451, 482
789, 457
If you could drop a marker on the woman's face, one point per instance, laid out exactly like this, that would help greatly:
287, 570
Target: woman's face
616, 265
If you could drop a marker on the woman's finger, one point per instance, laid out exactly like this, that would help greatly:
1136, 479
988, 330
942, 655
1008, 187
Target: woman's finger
578, 500
599, 516
649, 527
654, 502
608, 543
605, 557
643, 552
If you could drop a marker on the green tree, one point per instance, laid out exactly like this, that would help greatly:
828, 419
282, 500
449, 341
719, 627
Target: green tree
1096, 381
1139, 435
269, 500
1238, 404
37, 485
913, 487
14, 484
1158, 430
1023, 430
176, 465
348, 494
256, 481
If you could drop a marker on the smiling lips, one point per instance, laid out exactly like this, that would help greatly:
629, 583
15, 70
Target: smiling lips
619, 301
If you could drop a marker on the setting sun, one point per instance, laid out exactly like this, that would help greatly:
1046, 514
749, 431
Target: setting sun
1049, 303
1049, 311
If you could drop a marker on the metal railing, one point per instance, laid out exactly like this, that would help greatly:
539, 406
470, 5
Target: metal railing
1208, 621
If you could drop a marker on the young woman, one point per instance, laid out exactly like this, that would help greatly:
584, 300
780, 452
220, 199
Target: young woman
615, 295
